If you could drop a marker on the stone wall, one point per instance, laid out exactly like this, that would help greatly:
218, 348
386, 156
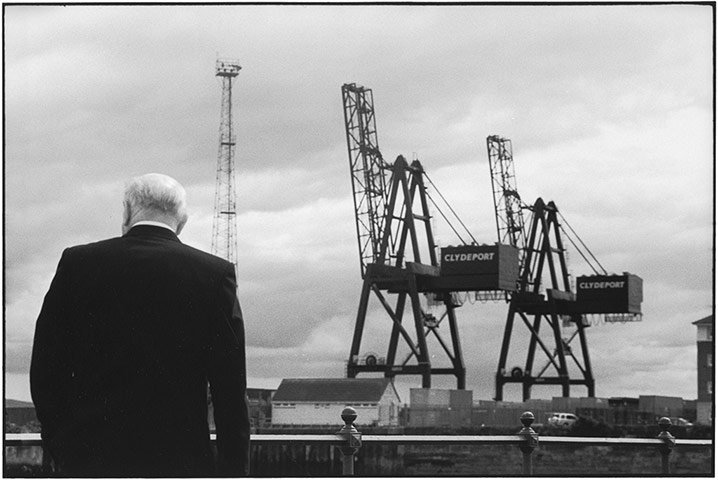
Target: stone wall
299, 460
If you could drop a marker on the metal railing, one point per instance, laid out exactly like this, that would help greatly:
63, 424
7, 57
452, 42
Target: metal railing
349, 441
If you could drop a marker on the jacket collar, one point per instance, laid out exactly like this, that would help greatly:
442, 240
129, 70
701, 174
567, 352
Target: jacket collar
152, 231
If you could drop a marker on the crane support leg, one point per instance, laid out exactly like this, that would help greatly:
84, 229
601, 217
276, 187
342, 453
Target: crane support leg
358, 329
459, 366
503, 356
395, 330
530, 357
423, 357
588, 372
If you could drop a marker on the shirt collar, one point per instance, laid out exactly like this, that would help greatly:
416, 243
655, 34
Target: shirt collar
154, 223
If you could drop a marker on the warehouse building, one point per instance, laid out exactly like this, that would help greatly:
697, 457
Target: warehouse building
320, 401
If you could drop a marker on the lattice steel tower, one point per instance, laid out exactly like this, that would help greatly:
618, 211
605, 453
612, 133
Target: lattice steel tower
224, 227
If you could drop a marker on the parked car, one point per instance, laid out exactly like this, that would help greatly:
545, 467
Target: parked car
564, 420
682, 422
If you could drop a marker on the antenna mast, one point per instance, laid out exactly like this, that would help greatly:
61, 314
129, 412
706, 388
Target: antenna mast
224, 226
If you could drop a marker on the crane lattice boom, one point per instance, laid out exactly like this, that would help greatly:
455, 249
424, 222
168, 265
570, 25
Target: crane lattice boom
367, 171
507, 201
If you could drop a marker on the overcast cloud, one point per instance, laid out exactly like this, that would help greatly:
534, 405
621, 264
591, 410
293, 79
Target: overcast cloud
609, 109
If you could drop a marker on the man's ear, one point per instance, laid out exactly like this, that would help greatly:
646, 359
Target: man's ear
126, 217
181, 224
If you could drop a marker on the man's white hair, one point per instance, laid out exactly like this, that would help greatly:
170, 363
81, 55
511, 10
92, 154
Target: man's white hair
157, 193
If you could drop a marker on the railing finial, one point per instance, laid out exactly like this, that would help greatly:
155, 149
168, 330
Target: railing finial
665, 425
348, 416
352, 439
530, 443
669, 441
527, 419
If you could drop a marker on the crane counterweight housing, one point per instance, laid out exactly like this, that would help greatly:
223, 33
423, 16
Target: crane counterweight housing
481, 267
610, 293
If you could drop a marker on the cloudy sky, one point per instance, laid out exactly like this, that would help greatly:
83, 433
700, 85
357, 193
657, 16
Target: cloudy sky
609, 109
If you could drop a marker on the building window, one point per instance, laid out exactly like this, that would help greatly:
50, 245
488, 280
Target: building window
709, 360
709, 387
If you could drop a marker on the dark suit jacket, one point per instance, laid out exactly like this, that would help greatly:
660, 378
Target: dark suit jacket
129, 334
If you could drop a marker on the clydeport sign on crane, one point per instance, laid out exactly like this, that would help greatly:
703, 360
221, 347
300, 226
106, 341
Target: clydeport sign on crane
400, 266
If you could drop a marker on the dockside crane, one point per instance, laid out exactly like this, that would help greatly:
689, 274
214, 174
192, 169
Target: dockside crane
544, 295
398, 257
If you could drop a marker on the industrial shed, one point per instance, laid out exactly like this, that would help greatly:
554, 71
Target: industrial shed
320, 401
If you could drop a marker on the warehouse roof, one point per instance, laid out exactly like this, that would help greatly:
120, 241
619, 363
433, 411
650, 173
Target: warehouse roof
704, 321
334, 390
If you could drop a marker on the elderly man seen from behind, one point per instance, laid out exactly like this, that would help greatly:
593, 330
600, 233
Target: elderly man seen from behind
131, 332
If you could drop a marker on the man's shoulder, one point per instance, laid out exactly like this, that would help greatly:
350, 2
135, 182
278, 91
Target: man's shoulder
203, 256
85, 248
111, 246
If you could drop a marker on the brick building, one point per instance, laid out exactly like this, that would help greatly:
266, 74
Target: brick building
704, 344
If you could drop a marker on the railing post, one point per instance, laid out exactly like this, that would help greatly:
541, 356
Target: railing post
669, 441
353, 440
531, 441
